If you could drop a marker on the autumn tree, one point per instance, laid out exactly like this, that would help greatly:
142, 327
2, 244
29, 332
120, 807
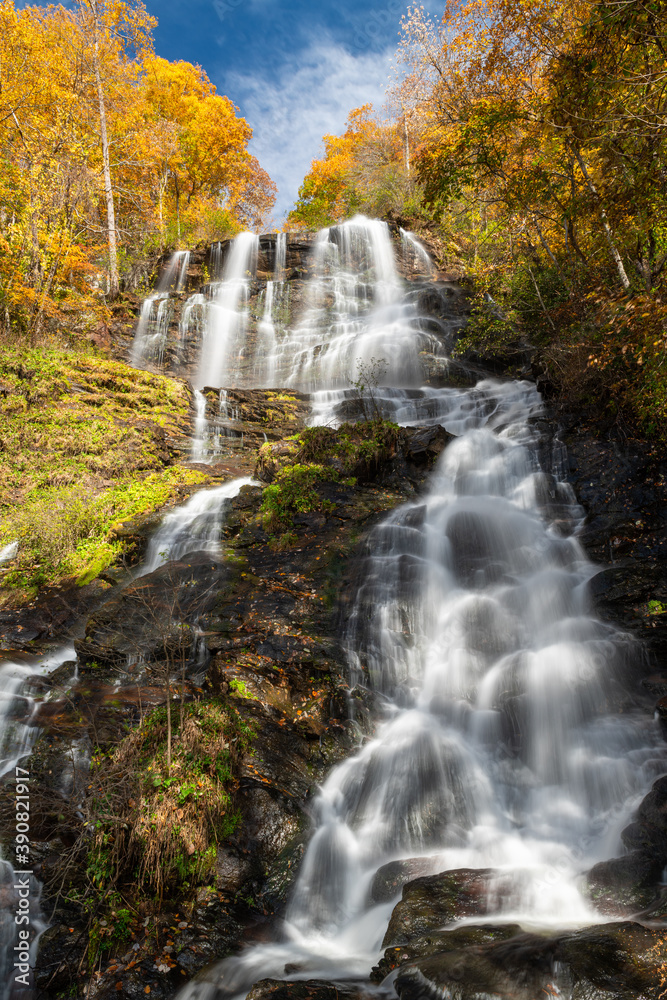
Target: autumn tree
107, 153
327, 194
121, 28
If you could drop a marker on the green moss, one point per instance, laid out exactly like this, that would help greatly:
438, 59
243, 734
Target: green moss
240, 688
317, 455
82, 447
294, 491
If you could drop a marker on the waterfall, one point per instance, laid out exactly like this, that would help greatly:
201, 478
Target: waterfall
183, 265
193, 527
17, 738
193, 322
267, 334
199, 449
151, 337
216, 262
224, 338
157, 311
508, 742
357, 315
281, 257
416, 254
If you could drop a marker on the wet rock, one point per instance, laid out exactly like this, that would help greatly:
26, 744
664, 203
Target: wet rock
232, 870
150, 618
390, 879
309, 989
243, 419
440, 942
425, 444
631, 883
608, 961
620, 481
625, 885
436, 900
59, 956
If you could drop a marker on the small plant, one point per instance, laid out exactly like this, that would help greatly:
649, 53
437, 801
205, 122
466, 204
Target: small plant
240, 688
369, 377
294, 491
155, 823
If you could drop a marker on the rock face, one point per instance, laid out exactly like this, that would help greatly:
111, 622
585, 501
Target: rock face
152, 619
426, 958
269, 646
436, 900
310, 989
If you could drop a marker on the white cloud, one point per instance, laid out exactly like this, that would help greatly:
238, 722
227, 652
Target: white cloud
312, 98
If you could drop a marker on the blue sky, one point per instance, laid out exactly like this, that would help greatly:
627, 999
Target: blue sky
295, 68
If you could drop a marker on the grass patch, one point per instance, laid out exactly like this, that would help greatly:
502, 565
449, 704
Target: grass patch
84, 442
158, 827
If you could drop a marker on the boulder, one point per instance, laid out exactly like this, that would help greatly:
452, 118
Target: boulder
390, 879
436, 900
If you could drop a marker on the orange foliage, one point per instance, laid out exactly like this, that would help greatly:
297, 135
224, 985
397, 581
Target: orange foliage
178, 151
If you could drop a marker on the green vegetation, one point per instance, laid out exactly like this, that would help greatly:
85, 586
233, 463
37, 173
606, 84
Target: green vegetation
294, 492
315, 456
83, 446
240, 688
157, 826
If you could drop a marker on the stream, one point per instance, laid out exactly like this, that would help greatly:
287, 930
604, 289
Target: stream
507, 741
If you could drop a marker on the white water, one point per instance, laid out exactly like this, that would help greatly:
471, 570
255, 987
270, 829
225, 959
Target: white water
157, 311
356, 314
8, 552
199, 451
416, 253
357, 310
224, 335
193, 527
509, 740
281, 257
17, 738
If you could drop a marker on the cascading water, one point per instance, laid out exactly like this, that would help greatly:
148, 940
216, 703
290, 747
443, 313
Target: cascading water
417, 254
281, 257
157, 311
224, 337
200, 442
17, 738
509, 741
357, 313
357, 310
193, 527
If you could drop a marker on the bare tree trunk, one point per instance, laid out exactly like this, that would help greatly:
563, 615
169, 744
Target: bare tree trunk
625, 281
407, 143
178, 209
108, 189
168, 723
